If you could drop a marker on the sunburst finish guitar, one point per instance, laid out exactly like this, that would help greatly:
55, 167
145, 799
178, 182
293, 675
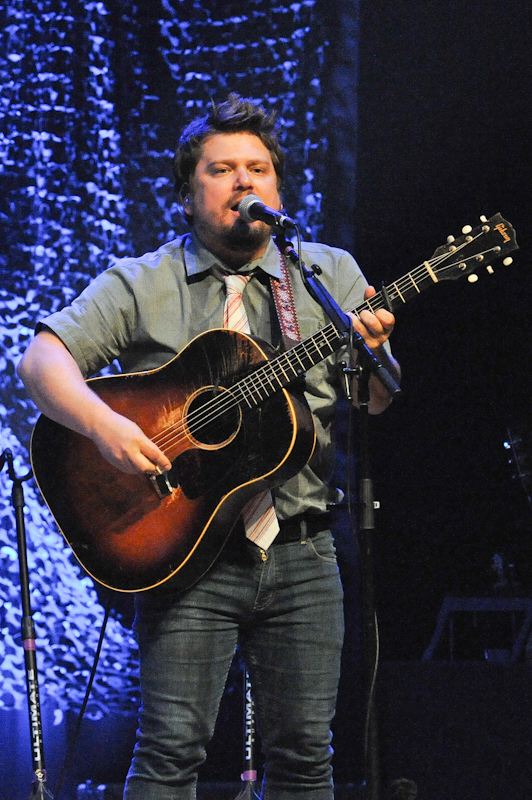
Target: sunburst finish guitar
228, 413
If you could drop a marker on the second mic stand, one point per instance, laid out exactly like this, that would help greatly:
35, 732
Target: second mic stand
249, 774
39, 790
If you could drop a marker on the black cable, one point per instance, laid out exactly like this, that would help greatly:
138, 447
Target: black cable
72, 745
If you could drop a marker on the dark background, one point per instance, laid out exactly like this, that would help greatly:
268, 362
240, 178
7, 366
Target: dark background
444, 136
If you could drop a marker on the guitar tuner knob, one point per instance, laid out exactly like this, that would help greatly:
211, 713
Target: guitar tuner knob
467, 229
507, 261
490, 270
472, 278
450, 239
483, 218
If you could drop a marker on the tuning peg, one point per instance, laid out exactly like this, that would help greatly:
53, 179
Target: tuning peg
483, 218
490, 270
472, 278
450, 239
467, 229
507, 261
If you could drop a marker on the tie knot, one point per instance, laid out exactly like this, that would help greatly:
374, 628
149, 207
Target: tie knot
235, 284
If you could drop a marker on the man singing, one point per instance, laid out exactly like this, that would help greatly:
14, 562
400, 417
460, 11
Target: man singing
274, 590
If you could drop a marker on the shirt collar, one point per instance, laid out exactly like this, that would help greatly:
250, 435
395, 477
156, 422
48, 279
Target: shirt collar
198, 259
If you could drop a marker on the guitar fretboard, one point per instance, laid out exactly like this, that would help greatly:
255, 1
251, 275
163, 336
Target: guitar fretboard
281, 371
457, 258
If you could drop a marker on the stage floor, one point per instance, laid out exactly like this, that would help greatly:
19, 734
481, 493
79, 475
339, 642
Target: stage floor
209, 791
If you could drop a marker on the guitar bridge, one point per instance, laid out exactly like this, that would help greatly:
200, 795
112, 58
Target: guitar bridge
162, 483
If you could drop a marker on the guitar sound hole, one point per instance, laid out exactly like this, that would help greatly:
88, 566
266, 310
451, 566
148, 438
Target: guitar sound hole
213, 417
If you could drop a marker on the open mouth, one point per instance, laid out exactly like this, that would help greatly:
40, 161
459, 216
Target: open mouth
236, 213
235, 206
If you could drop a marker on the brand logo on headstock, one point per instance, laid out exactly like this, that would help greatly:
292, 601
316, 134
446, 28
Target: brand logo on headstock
502, 230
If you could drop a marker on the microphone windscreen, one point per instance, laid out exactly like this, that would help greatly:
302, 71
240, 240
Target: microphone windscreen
245, 204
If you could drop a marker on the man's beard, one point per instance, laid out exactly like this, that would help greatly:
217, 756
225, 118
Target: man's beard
245, 238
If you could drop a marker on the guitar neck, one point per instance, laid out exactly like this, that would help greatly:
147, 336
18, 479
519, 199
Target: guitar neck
400, 292
279, 372
479, 247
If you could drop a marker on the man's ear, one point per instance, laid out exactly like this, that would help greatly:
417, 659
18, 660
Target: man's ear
185, 198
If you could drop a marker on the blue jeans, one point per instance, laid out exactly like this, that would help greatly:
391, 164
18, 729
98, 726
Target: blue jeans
284, 609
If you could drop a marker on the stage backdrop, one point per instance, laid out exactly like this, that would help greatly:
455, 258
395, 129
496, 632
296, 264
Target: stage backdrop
94, 95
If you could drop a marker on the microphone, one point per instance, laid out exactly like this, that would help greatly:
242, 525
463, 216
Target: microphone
252, 208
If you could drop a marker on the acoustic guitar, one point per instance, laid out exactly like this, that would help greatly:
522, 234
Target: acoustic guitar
230, 414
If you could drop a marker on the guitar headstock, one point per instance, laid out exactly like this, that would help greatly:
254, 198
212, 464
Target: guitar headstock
475, 248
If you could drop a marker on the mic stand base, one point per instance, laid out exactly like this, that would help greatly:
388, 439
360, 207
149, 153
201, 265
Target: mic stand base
248, 792
40, 792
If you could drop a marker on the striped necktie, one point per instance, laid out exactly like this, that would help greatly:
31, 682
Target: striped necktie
260, 520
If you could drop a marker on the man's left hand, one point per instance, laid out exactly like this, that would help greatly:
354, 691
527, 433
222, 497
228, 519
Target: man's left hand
374, 328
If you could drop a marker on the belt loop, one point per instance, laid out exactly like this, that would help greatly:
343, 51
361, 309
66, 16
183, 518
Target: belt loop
303, 529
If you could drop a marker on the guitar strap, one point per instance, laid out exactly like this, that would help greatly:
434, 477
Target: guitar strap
284, 303
282, 296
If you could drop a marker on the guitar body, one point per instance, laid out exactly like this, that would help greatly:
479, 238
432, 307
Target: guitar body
124, 533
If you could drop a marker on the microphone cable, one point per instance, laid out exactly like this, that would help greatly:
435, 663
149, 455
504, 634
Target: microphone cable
73, 741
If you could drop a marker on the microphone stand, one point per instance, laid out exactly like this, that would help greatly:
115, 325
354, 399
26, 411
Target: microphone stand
249, 773
339, 319
367, 365
371, 633
39, 790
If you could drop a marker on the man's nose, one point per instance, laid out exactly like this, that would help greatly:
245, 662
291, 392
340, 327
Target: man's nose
243, 178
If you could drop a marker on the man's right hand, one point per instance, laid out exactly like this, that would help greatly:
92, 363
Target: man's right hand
55, 384
123, 444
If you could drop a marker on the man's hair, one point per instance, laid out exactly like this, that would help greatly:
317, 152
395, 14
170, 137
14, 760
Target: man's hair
234, 115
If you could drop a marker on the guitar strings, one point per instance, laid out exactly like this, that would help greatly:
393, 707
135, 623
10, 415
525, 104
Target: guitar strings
422, 272
268, 378
217, 407
214, 409
252, 389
